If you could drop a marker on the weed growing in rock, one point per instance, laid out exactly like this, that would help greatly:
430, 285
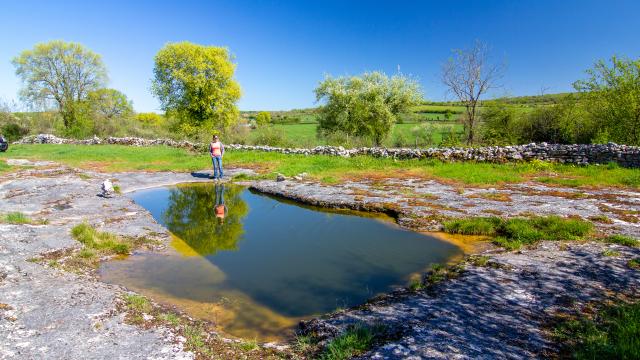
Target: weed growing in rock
248, 345
634, 263
97, 240
16, 218
622, 240
612, 333
304, 343
137, 303
171, 318
479, 260
610, 252
516, 232
473, 226
601, 219
438, 273
355, 341
195, 340
416, 285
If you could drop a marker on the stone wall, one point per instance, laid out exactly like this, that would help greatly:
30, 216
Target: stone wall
628, 156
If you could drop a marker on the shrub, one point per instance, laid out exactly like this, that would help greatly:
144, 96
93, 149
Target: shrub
238, 134
13, 131
450, 138
401, 140
338, 138
263, 118
271, 136
423, 133
499, 125
150, 118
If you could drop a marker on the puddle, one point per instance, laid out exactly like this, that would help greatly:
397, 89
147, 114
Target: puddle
257, 265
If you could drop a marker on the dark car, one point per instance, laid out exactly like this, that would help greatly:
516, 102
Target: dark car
4, 144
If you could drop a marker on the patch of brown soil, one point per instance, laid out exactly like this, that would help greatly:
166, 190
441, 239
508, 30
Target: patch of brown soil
495, 196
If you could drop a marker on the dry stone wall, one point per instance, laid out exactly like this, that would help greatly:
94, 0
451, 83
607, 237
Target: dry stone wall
627, 156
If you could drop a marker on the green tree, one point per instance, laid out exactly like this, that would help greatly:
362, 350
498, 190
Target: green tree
150, 118
196, 84
499, 124
60, 73
110, 103
263, 118
611, 95
366, 105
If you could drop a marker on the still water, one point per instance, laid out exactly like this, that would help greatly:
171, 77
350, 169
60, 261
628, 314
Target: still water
256, 265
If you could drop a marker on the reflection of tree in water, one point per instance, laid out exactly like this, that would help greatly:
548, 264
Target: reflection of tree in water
191, 216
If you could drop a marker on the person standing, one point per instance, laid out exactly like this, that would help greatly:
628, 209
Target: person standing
216, 149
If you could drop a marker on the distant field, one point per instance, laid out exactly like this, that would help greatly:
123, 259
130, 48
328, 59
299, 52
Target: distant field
304, 135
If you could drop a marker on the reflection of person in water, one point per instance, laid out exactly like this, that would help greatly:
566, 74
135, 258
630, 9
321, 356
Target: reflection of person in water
220, 208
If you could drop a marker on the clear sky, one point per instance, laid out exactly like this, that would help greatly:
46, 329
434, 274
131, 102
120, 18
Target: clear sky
283, 48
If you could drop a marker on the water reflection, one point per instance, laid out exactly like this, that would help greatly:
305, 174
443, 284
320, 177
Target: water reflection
200, 216
256, 265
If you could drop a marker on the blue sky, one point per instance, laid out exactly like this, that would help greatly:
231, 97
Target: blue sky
283, 48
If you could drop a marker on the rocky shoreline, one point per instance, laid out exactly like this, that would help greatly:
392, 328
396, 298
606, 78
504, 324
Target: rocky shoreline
579, 154
495, 310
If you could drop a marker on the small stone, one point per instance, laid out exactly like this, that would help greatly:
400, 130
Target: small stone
280, 177
107, 189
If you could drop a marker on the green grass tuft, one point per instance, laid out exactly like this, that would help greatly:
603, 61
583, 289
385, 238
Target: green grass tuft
98, 240
16, 218
138, 303
613, 333
516, 232
622, 240
170, 318
634, 263
610, 252
473, 226
356, 340
304, 343
194, 339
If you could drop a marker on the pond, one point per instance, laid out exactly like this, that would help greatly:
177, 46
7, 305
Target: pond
256, 265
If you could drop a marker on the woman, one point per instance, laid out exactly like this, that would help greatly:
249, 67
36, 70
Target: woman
216, 149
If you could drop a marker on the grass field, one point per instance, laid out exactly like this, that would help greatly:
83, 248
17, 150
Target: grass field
325, 168
304, 135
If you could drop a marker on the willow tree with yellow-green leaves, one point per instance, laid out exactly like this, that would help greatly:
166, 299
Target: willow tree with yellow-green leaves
196, 85
366, 106
62, 74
